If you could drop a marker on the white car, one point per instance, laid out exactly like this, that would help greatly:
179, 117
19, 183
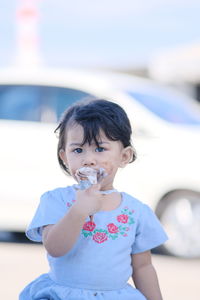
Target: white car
166, 135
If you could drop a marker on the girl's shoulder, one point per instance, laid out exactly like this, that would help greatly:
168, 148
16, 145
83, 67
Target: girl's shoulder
140, 208
131, 200
60, 194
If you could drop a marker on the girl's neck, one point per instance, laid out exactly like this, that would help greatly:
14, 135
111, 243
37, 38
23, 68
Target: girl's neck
111, 201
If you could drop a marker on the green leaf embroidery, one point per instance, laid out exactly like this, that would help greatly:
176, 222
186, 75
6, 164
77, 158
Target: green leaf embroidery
131, 221
113, 236
87, 233
100, 230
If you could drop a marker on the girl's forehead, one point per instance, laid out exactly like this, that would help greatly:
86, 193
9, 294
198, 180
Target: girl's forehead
76, 132
74, 129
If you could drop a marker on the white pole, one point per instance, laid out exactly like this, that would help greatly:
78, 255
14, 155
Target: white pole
27, 37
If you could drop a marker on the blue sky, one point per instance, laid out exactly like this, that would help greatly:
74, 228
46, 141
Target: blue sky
104, 33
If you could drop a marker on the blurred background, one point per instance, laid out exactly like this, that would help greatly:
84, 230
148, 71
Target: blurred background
145, 56
158, 38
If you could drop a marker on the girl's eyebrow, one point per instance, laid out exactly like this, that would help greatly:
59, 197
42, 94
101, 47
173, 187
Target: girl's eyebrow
75, 144
100, 143
80, 144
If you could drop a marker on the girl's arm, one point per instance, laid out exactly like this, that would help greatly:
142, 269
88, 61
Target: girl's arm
145, 277
59, 239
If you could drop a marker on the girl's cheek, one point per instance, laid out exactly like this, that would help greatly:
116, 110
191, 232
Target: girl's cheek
108, 167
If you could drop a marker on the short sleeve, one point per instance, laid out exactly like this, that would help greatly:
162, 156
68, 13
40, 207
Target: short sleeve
149, 231
50, 210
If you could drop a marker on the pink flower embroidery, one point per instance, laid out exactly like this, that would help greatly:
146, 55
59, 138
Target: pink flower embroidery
89, 226
100, 237
68, 204
112, 228
110, 231
122, 218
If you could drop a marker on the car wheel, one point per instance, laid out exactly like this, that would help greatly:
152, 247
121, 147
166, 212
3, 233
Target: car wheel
179, 212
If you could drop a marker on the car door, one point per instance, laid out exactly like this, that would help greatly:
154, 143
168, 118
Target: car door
28, 159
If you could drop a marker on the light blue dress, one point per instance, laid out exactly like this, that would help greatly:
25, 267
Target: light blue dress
99, 265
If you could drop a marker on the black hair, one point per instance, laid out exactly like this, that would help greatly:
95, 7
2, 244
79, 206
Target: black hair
95, 115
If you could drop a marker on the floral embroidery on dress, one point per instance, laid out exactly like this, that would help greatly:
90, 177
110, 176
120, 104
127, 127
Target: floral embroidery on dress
126, 216
113, 231
100, 236
69, 204
112, 228
122, 218
88, 228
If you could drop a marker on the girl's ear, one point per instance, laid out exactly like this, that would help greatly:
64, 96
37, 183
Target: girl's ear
126, 156
63, 156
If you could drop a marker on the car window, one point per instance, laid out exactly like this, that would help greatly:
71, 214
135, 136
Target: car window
171, 109
36, 103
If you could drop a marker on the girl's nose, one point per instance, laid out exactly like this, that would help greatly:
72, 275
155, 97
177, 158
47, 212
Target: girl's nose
89, 160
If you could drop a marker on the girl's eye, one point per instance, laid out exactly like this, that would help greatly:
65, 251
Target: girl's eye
100, 149
78, 150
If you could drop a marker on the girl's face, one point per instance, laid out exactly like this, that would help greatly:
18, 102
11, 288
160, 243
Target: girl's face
110, 155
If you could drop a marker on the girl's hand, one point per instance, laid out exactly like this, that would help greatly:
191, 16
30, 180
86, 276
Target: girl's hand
89, 201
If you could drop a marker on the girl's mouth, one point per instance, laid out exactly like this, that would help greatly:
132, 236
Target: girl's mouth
89, 176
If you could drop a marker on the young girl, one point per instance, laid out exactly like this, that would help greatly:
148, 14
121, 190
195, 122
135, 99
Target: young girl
93, 257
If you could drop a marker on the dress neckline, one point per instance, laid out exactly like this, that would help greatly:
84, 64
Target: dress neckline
108, 192
115, 209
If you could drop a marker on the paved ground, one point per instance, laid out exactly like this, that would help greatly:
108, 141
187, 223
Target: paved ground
21, 263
